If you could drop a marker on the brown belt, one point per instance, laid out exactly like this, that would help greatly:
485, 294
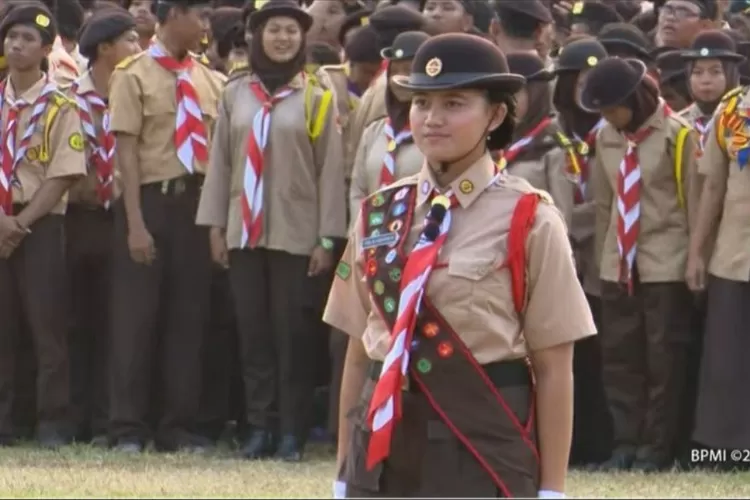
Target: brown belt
511, 373
177, 186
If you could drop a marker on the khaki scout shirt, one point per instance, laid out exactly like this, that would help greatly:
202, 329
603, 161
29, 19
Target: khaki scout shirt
143, 103
62, 67
65, 154
303, 182
471, 290
336, 79
731, 254
663, 236
85, 190
368, 163
549, 174
371, 107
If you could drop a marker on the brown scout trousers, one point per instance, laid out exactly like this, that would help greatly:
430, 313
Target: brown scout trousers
426, 458
33, 304
645, 340
89, 254
275, 305
159, 313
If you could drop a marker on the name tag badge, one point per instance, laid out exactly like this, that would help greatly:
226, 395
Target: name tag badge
380, 240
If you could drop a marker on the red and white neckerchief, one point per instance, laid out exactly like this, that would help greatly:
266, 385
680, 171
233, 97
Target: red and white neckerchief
703, 125
190, 138
512, 151
13, 151
252, 194
584, 148
629, 204
385, 407
388, 170
101, 140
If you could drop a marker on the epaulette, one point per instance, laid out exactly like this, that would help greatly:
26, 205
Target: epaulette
681, 120
125, 63
238, 70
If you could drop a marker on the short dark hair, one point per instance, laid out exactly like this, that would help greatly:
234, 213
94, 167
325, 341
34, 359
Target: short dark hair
161, 10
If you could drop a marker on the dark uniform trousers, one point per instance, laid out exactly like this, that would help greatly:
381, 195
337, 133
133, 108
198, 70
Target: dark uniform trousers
159, 313
89, 252
221, 395
645, 342
426, 460
275, 303
33, 300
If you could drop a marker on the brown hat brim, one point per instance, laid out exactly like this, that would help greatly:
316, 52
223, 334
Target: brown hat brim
587, 103
724, 55
259, 17
460, 81
542, 76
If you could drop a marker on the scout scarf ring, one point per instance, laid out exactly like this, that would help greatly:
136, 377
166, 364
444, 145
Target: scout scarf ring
12, 153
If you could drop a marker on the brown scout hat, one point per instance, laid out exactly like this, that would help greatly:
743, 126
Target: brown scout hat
580, 55
405, 46
624, 37
713, 44
530, 66
389, 21
671, 66
610, 83
594, 15
534, 9
275, 8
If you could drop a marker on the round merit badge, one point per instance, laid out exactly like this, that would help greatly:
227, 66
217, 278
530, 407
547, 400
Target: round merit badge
401, 194
399, 209
390, 256
379, 287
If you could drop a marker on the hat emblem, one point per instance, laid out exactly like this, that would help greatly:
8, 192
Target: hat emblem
364, 21
592, 61
399, 53
42, 20
577, 8
433, 67
704, 51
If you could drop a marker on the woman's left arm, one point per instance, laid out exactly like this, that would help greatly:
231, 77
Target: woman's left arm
556, 315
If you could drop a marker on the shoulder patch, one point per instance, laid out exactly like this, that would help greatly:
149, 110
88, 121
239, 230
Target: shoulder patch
125, 63
75, 141
343, 270
237, 70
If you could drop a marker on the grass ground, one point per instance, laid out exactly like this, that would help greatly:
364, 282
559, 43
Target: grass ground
82, 471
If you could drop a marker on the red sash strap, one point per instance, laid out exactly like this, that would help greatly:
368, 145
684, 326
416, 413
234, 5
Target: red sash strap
440, 363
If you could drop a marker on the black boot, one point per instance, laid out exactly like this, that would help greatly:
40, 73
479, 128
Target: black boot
259, 444
620, 460
289, 450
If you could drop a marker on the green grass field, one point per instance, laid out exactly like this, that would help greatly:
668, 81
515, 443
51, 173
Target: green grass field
82, 471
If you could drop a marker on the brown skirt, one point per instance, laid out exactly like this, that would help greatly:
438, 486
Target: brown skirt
723, 411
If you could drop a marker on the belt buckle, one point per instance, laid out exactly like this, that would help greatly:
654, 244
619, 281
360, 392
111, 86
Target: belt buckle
180, 186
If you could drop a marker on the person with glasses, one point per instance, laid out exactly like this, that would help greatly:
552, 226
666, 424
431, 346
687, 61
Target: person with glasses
681, 20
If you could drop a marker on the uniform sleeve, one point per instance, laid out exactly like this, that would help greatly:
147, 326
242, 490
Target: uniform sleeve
329, 162
602, 194
557, 311
213, 209
714, 162
358, 189
560, 185
348, 301
66, 144
125, 103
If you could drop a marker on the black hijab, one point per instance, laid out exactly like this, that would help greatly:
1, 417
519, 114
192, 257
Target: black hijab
272, 74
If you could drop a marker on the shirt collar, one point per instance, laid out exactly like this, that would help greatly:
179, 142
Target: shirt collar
298, 82
86, 84
467, 187
31, 94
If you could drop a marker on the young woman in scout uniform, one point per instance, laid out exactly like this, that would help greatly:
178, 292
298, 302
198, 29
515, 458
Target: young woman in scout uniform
722, 411
540, 152
386, 150
163, 105
108, 38
643, 168
40, 158
436, 261
592, 430
274, 200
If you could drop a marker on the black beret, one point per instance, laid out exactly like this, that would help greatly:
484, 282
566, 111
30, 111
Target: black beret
69, 16
275, 8
31, 13
363, 46
534, 9
528, 65
611, 82
593, 13
104, 26
359, 18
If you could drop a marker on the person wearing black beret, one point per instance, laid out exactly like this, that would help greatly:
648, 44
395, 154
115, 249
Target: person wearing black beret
107, 38
449, 16
540, 151
681, 20
672, 78
278, 145
523, 26
42, 157
590, 17
430, 230
353, 21
646, 164
592, 431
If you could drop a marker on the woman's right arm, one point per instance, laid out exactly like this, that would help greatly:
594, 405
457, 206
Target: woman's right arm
352, 381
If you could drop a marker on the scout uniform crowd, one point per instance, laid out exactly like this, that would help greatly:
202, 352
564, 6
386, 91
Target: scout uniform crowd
178, 179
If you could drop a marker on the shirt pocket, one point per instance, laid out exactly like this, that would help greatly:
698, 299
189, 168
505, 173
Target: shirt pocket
160, 98
477, 284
